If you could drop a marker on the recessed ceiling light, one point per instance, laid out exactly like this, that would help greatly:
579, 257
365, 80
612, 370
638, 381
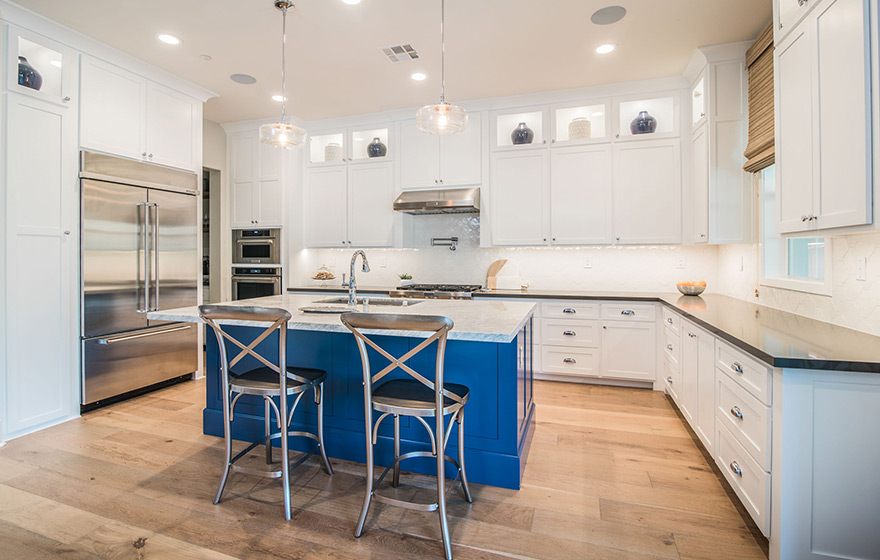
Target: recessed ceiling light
169, 39
608, 15
245, 79
277, 98
597, 114
351, 2
419, 76
606, 48
55, 63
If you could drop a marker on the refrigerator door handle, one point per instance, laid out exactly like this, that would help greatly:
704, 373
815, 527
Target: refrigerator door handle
123, 338
144, 216
155, 251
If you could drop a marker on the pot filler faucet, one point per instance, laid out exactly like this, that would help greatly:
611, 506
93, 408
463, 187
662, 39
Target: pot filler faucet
352, 285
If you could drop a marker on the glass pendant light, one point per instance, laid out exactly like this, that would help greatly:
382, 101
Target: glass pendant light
282, 134
442, 118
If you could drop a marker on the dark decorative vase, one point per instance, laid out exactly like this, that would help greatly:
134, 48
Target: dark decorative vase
522, 134
643, 124
28, 75
376, 148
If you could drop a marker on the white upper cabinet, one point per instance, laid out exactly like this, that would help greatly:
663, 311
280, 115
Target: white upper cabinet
646, 117
787, 14
365, 144
579, 123
127, 115
700, 178
698, 101
441, 161
519, 129
519, 186
647, 192
256, 186
823, 119
326, 207
41, 68
580, 195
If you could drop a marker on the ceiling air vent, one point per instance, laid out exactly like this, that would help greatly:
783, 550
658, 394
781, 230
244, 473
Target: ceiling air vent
399, 53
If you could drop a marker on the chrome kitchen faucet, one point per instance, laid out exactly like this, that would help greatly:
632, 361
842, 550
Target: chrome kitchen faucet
352, 285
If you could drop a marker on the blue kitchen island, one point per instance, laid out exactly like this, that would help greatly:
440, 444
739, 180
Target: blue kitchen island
489, 350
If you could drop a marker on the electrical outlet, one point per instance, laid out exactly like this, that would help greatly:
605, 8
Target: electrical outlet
679, 262
742, 264
588, 262
862, 269
383, 262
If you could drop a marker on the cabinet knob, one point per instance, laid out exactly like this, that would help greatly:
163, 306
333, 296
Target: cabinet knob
605, 327
669, 320
702, 115
618, 238
736, 412
150, 156
543, 141
802, 2
67, 232
669, 380
734, 466
554, 239
441, 181
804, 218
65, 99
553, 140
692, 335
669, 347
545, 239
144, 154
702, 235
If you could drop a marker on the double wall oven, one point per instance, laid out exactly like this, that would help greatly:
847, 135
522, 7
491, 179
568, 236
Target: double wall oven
256, 269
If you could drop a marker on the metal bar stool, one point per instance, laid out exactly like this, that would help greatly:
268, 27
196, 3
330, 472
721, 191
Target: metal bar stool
267, 381
418, 397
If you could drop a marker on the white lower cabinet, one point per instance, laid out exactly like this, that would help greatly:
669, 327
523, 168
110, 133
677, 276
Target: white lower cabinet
40, 215
750, 482
628, 350
698, 381
350, 206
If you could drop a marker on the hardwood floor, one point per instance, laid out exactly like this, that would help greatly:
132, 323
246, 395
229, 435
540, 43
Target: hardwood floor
613, 473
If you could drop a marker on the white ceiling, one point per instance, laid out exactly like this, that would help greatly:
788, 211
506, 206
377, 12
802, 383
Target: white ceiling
493, 47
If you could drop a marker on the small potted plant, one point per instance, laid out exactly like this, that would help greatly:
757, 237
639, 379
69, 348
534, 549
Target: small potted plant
405, 279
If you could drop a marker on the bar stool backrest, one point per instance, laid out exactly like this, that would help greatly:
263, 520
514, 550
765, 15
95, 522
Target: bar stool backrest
438, 325
277, 318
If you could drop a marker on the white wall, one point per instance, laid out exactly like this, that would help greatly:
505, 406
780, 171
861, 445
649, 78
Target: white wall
214, 157
853, 304
632, 269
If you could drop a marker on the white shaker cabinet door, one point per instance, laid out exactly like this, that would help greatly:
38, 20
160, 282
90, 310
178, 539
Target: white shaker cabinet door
173, 120
580, 195
326, 207
112, 109
419, 157
700, 178
629, 350
370, 195
243, 159
518, 190
794, 132
460, 156
39, 216
844, 114
647, 192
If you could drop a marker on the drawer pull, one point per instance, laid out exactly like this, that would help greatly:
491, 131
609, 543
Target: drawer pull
569, 333
737, 367
569, 361
669, 347
734, 466
669, 320
627, 312
669, 380
569, 310
692, 335
736, 412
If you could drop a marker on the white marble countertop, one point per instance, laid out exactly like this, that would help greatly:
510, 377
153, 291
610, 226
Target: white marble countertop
479, 321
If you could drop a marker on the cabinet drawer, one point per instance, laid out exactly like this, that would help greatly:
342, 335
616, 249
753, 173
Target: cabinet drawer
572, 361
569, 310
672, 379
671, 346
751, 374
561, 332
629, 311
750, 483
671, 319
746, 418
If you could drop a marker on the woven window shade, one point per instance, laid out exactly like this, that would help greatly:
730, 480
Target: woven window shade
760, 151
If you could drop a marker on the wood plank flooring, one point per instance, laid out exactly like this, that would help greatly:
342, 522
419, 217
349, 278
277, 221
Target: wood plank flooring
613, 473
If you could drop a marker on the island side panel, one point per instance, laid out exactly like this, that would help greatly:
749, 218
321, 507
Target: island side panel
498, 414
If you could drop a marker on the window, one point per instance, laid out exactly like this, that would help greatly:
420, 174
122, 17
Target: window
795, 263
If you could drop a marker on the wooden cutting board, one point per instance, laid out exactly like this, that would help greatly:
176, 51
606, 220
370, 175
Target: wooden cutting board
494, 269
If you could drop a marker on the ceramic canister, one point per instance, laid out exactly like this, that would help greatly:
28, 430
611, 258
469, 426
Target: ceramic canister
579, 128
332, 152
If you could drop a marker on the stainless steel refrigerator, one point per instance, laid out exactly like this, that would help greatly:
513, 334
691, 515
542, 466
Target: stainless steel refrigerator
139, 254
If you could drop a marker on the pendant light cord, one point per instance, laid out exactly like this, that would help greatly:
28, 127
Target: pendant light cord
442, 52
283, 58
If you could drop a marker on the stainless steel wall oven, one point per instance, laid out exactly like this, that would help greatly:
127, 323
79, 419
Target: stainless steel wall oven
253, 282
256, 246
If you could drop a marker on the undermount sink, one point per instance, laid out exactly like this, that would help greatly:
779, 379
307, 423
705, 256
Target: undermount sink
392, 302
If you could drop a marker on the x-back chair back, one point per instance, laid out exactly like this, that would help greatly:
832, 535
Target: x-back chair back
418, 396
268, 381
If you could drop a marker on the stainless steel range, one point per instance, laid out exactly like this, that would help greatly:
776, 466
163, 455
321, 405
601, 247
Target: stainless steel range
438, 291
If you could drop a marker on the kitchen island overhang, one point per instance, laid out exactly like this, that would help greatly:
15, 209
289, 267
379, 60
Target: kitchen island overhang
489, 350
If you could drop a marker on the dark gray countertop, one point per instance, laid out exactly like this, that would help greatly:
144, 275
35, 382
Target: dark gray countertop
777, 337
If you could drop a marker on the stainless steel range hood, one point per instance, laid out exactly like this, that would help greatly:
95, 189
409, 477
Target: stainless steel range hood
440, 201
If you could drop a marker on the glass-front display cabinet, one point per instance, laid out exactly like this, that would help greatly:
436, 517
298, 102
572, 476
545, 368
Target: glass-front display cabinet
40, 67
327, 148
369, 145
580, 123
517, 129
643, 118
